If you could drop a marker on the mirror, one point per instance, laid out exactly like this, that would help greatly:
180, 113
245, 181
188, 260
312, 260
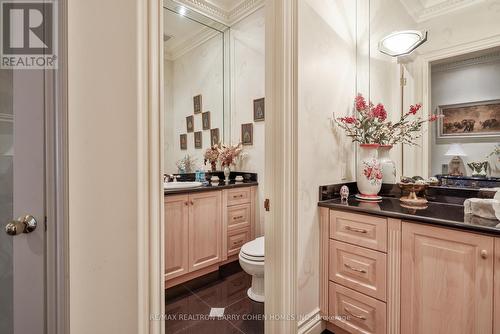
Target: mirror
454, 73
196, 109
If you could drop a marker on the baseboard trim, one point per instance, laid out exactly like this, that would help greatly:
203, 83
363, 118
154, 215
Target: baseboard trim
312, 323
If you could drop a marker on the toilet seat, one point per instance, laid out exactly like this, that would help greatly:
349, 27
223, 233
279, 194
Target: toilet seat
254, 249
252, 258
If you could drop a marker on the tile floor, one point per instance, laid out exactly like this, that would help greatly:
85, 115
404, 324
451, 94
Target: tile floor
189, 305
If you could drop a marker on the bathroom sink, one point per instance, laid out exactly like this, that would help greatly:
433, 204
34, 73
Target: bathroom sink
181, 185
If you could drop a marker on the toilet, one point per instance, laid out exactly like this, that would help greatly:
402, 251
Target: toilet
252, 262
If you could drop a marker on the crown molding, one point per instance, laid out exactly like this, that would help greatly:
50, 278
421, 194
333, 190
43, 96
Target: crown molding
227, 17
189, 44
421, 13
484, 59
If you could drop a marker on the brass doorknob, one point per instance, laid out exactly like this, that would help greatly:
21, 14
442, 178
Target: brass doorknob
26, 224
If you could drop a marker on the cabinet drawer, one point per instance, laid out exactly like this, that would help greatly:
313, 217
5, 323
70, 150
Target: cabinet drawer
238, 196
236, 239
362, 230
238, 217
358, 268
355, 312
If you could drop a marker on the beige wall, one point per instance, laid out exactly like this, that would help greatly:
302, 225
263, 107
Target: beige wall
103, 176
326, 84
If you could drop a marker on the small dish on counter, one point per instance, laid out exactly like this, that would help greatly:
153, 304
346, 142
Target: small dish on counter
413, 188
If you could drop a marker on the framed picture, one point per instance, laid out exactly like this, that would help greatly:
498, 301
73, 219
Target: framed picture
198, 139
197, 104
214, 137
205, 120
258, 110
190, 123
469, 120
247, 134
184, 141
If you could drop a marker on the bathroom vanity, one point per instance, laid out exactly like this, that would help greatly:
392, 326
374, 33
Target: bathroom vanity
205, 228
388, 269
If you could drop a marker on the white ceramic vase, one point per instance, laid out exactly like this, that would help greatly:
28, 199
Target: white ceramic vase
369, 174
387, 165
227, 172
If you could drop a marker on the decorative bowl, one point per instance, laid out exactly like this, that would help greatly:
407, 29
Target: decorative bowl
413, 189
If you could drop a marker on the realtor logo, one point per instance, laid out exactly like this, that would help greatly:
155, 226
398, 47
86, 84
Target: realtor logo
28, 35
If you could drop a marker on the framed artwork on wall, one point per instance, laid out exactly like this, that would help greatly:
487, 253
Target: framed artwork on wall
183, 141
258, 110
197, 104
190, 123
469, 120
205, 120
198, 139
247, 134
214, 137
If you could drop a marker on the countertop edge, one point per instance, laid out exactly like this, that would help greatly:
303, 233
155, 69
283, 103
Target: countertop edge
410, 218
209, 188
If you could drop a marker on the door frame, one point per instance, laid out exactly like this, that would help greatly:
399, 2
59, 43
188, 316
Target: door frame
56, 190
281, 186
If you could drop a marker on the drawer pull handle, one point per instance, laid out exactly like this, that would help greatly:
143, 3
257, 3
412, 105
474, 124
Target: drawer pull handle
355, 269
239, 242
237, 217
353, 229
354, 315
238, 196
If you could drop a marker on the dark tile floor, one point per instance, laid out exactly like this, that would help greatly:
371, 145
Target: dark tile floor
188, 305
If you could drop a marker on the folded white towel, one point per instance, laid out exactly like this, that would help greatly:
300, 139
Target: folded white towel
481, 207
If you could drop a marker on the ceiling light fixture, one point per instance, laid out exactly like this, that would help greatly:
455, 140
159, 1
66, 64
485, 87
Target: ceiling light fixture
401, 43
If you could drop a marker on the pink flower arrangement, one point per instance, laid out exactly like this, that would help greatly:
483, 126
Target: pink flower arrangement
369, 125
364, 125
228, 154
211, 156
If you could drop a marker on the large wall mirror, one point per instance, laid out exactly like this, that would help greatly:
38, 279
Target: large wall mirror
196, 86
454, 71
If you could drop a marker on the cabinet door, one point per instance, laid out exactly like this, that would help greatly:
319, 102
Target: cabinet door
446, 281
176, 235
205, 229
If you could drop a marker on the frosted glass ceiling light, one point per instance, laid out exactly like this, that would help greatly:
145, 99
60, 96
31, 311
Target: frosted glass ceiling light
401, 43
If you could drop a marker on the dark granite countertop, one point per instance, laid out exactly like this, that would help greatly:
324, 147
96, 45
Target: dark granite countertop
222, 185
443, 214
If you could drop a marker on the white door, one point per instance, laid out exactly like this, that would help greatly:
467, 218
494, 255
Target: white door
22, 176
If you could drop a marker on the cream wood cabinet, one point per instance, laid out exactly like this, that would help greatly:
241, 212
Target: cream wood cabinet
446, 281
204, 230
205, 233
177, 238
383, 275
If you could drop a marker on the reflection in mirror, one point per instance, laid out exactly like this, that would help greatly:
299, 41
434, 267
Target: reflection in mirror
458, 33
194, 87
466, 90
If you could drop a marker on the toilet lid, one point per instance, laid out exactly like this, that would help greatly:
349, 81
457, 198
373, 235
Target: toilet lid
254, 248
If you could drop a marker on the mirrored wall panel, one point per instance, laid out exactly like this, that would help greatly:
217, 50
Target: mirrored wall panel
194, 76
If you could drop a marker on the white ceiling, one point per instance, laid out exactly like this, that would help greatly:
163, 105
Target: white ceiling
422, 10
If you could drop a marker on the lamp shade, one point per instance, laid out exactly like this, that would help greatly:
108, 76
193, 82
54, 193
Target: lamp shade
455, 150
401, 43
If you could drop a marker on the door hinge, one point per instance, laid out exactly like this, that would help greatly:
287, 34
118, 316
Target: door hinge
266, 204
